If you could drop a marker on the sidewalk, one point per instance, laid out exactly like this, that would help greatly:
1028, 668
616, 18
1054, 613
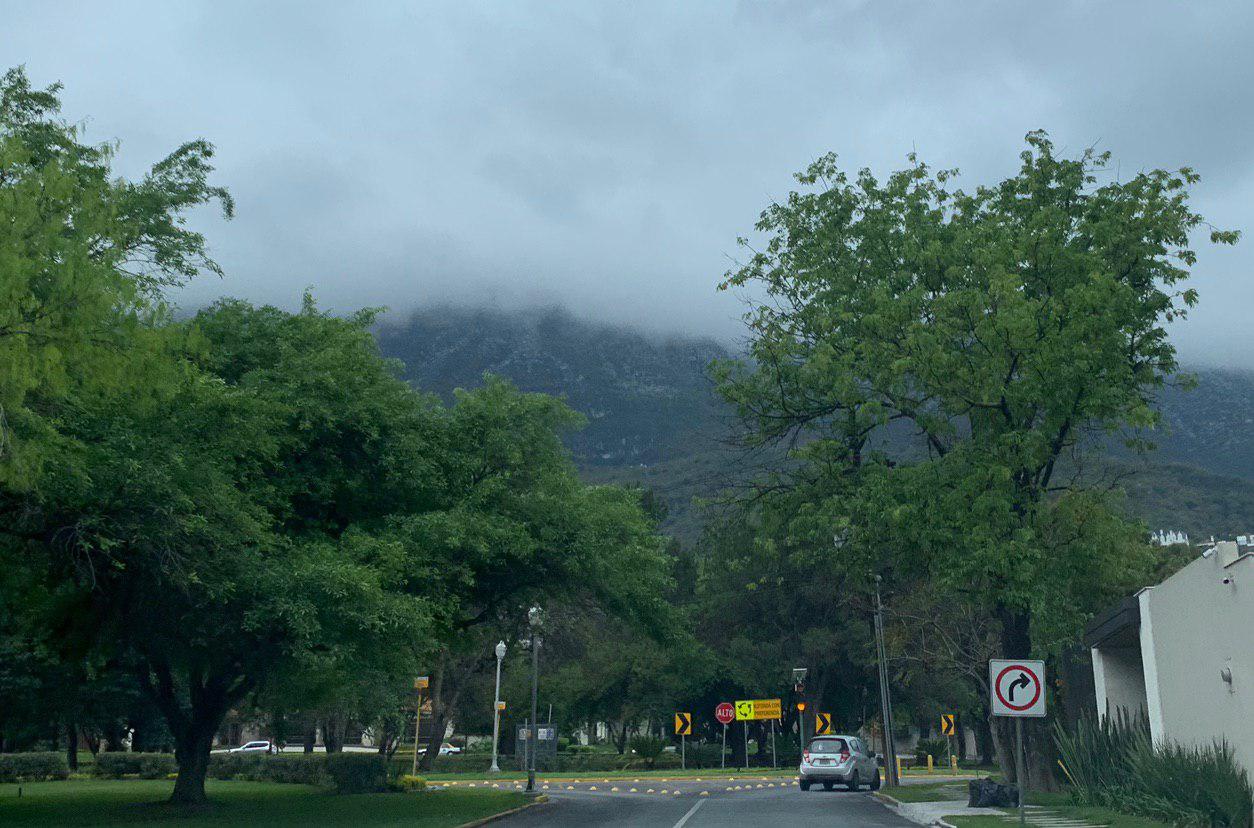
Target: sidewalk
935, 813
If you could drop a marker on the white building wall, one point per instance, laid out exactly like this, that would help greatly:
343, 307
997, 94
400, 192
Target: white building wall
1119, 679
1195, 625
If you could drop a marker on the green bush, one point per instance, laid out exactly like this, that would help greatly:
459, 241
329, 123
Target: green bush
1114, 763
411, 784
356, 773
705, 756
938, 749
647, 748
115, 765
32, 767
156, 765
298, 769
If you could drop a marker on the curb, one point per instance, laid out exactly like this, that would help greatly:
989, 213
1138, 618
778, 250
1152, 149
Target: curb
539, 800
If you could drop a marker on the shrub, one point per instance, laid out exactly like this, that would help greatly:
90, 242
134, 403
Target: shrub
411, 784
705, 756
938, 749
32, 767
647, 748
301, 769
1115, 763
354, 773
156, 765
115, 765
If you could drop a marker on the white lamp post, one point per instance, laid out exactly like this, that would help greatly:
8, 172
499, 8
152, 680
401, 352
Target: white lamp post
496, 707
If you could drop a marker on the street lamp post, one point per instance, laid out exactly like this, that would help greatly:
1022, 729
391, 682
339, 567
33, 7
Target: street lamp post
533, 617
496, 707
886, 701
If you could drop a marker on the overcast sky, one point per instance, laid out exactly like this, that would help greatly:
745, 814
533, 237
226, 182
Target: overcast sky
607, 155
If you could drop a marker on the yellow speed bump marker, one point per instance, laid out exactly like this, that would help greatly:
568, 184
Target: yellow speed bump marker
677, 793
592, 787
649, 791
633, 790
614, 788
705, 793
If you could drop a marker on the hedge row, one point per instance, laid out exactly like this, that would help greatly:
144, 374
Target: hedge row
115, 765
32, 767
346, 772
563, 763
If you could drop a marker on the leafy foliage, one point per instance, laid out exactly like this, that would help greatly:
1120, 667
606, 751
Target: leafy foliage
1114, 762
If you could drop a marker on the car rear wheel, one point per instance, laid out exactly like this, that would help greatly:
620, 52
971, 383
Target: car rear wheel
805, 784
853, 781
827, 786
875, 780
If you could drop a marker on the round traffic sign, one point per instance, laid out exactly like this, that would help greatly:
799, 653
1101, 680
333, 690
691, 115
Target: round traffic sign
725, 713
1018, 687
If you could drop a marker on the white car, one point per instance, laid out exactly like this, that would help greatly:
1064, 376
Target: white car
446, 749
255, 747
832, 760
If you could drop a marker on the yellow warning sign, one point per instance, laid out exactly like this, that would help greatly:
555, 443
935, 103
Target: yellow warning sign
822, 724
754, 709
949, 725
683, 724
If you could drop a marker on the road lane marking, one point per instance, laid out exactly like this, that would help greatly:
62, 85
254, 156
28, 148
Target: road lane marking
684, 819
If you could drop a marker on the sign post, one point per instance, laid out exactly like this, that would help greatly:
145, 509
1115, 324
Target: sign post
748, 710
948, 730
1018, 691
725, 713
421, 683
683, 729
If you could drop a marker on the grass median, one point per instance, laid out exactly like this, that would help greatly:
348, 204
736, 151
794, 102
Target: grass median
83, 802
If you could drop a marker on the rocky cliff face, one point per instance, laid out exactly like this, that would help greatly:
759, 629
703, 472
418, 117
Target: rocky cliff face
653, 419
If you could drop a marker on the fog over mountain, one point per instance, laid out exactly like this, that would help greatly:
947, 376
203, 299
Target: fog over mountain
606, 156
653, 417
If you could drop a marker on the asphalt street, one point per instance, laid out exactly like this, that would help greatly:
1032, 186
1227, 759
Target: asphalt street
690, 804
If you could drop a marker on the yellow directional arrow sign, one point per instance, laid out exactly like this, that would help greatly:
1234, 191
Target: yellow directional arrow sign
822, 724
683, 724
949, 726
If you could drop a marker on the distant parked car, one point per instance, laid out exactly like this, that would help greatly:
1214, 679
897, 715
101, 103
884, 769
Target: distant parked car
261, 746
446, 749
838, 759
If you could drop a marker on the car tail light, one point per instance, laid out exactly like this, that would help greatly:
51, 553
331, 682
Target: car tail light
844, 756
805, 756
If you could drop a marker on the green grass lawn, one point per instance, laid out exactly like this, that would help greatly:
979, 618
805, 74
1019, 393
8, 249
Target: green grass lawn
142, 802
1095, 816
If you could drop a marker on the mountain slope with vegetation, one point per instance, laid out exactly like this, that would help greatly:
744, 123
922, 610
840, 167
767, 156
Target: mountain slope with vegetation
653, 418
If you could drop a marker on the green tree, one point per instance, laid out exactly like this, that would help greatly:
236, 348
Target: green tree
223, 532
84, 257
990, 333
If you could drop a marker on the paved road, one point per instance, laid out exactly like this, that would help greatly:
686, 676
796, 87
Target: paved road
783, 805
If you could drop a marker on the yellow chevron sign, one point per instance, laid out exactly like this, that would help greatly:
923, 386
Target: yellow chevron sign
949, 725
683, 724
822, 724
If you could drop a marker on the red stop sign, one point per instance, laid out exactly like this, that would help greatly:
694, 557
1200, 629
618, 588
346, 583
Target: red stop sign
725, 713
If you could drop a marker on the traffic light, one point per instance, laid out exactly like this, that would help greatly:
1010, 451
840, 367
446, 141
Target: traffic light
801, 707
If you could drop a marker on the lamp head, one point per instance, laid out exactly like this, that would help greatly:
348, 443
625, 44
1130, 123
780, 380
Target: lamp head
533, 616
500, 650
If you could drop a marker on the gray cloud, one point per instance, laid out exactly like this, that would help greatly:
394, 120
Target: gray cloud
607, 155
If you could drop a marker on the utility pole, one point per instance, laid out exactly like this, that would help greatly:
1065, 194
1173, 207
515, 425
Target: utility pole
886, 702
496, 708
534, 736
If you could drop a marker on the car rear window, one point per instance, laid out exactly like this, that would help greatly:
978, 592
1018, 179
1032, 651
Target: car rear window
828, 746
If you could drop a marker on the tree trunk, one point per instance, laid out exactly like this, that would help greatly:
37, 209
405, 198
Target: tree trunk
71, 748
191, 751
311, 738
333, 734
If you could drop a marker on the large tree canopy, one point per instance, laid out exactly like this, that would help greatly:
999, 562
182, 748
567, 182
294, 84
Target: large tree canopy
84, 257
935, 357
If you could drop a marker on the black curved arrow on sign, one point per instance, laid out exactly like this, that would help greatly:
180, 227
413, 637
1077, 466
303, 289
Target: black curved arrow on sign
1022, 681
